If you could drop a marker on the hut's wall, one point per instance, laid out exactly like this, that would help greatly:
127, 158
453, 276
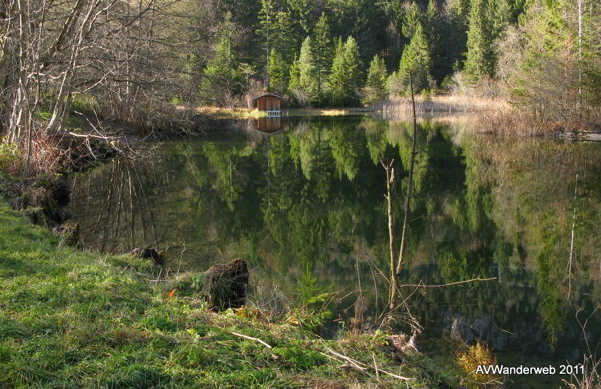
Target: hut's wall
268, 103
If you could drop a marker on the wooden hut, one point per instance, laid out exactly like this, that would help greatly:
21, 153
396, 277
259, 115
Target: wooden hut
268, 102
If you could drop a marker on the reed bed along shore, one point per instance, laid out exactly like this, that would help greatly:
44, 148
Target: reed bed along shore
491, 116
525, 123
436, 105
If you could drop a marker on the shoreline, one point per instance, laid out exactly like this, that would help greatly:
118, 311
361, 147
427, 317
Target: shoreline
80, 319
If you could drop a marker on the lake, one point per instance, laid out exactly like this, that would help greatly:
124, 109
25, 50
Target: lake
304, 206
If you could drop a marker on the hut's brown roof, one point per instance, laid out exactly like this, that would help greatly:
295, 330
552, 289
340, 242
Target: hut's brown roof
268, 95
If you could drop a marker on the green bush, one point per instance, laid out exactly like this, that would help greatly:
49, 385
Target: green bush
10, 156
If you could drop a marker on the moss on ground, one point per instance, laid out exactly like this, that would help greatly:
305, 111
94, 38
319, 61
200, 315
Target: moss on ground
74, 319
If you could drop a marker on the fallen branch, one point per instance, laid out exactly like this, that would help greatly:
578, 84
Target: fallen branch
349, 360
375, 366
102, 137
344, 365
449, 284
358, 365
251, 338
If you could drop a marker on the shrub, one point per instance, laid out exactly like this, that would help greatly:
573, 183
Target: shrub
10, 156
476, 355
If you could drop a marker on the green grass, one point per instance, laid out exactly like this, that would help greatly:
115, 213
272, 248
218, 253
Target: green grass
73, 319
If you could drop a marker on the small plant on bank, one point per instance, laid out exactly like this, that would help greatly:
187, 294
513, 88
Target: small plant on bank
476, 355
197, 283
312, 308
10, 157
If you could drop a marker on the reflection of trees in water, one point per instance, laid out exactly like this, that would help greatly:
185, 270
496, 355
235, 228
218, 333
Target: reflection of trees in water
112, 206
314, 196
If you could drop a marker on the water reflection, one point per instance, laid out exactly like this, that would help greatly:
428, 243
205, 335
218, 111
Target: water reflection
525, 211
270, 124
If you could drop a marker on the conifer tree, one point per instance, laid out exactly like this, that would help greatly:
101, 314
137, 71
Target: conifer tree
480, 57
267, 16
434, 26
276, 72
499, 16
284, 42
546, 74
458, 20
345, 77
353, 64
337, 78
294, 83
416, 59
411, 20
306, 92
376, 84
300, 13
322, 44
222, 80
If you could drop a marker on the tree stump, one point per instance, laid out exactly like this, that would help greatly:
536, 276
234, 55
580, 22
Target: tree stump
158, 257
225, 285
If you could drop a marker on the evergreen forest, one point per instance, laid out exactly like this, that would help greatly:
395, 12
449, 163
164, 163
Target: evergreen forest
134, 61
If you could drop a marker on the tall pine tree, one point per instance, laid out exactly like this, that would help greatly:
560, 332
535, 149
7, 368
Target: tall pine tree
337, 75
411, 20
284, 42
416, 59
345, 77
306, 92
222, 80
276, 72
294, 83
376, 87
480, 60
267, 18
322, 44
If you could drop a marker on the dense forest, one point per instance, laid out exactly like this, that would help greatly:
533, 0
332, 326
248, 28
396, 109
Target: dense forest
134, 61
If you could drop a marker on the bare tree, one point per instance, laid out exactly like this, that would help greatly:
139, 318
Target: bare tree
128, 57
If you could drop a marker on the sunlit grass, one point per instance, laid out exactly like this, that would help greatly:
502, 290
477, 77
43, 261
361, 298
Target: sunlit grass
230, 113
73, 319
327, 111
246, 113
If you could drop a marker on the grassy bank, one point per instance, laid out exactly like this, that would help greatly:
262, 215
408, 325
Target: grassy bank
73, 319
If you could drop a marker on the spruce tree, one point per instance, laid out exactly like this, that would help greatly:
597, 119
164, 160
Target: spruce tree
300, 14
480, 57
222, 81
345, 77
376, 84
266, 30
416, 59
549, 74
294, 83
411, 20
458, 21
307, 87
499, 16
337, 77
434, 28
276, 72
284, 42
353, 64
322, 44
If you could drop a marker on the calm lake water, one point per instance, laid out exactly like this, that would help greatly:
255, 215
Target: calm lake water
304, 206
